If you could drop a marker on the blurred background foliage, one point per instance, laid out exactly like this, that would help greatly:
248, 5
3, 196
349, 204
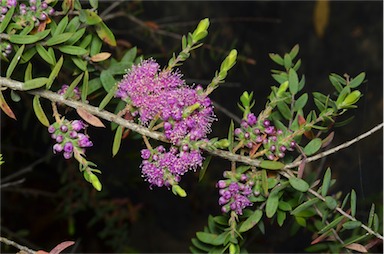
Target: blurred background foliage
50, 202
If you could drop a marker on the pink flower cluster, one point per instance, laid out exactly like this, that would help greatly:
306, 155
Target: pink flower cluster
186, 114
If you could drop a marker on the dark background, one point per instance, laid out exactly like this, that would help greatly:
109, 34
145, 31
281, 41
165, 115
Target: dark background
156, 220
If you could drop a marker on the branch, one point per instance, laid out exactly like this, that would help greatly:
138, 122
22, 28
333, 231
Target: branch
16, 245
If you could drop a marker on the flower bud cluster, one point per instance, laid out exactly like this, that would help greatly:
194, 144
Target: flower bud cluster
69, 138
165, 168
262, 133
31, 12
235, 192
76, 95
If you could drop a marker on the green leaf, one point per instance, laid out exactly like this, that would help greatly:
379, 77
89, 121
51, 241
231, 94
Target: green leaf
107, 80
58, 39
76, 36
351, 224
39, 111
35, 83
294, 51
326, 182
281, 78
357, 80
15, 96
23, 39
264, 182
14, 61
89, 17
94, 85
330, 202
305, 205
54, 73
293, 80
284, 110
96, 45
202, 247
313, 146
7, 18
251, 221
371, 215
86, 41
345, 201
73, 50
331, 225
105, 34
353, 203
129, 56
285, 206
272, 165
73, 25
301, 221
230, 135
84, 87
376, 222
80, 63
61, 26
335, 82
300, 102
298, 184
27, 55
287, 61
95, 182
28, 72
72, 86
44, 54
281, 216
94, 3
207, 237
272, 204
204, 167
107, 98
117, 140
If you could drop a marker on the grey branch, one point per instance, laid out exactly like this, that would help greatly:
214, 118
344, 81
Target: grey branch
16, 245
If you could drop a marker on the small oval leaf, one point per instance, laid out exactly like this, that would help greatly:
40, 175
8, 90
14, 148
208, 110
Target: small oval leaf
313, 146
100, 57
272, 204
251, 221
73, 50
272, 165
299, 184
89, 118
39, 111
117, 140
35, 83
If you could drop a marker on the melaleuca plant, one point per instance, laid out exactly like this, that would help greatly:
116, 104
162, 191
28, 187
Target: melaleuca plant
267, 152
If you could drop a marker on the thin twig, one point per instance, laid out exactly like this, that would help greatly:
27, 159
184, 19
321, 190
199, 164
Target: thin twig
16, 245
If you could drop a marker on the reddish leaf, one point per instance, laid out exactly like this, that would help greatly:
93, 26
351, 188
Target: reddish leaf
41, 252
61, 246
301, 120
4, 106
328, 139
356, 247
320, 238
100, 57
89, 118
300, 171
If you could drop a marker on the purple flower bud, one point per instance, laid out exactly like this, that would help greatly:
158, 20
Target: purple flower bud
233, 206
190, 123
185, 148
64, 128
249, 145
11, 3
53, 136
33, 8
83, 140
23, 11
44, 5
223, 201
270, 130
281, 155
244, 124
221, 184
43, 16
279, 132
59, 138
67, 155
259, 139
51, 129
68, 147
271, 157
4, 10
293, 144
145, 154
73, 134
57, 148
273, 138
266, 123
78, 125
160, 149
155, 157
282, 148
251, 119
247, 135
224, 209
243, 177
31, 2
51, 11
22, 6
256, 131
238, 131
272, 148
